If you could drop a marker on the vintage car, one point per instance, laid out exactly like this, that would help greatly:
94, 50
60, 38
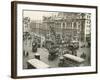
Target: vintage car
53, 52
74, 44
48, 43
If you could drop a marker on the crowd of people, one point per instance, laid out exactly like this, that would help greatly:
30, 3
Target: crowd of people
54, 48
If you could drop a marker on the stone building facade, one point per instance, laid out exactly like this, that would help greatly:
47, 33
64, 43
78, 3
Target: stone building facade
70, 26
26, 24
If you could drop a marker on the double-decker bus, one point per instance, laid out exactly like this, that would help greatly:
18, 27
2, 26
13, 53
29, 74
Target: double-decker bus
73, 60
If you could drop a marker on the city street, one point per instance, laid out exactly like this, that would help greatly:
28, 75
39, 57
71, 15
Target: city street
55, 35
44, 55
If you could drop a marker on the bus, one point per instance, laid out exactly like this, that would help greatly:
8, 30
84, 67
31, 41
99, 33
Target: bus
73, 60
36, 64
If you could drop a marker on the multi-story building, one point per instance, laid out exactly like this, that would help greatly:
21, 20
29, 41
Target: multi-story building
65, 24
36, 26
86, 26
73, 26
26, 24
70, 26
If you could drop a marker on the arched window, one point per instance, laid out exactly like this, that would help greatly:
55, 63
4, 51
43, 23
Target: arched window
63, 25
75, 25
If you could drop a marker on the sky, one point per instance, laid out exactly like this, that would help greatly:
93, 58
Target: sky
37, 15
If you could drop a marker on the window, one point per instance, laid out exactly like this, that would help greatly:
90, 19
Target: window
63, 25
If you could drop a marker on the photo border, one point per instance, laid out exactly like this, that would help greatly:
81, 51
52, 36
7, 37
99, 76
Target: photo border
14, 37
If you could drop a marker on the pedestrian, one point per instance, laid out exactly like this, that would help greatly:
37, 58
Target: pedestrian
23, 52
27, 54
83, 55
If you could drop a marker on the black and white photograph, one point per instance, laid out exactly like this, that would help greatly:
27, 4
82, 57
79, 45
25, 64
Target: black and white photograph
56, 39
53, 39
